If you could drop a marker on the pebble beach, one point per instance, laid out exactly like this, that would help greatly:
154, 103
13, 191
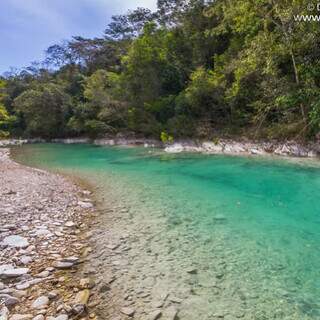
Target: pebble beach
44, 236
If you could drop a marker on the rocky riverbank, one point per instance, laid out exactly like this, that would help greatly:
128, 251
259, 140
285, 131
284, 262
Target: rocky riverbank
232, 147
220, 146
44, 236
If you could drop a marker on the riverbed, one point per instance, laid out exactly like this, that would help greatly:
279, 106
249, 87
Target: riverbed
198, 237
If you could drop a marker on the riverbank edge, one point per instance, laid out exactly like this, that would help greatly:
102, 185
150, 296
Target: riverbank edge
218, 146
79, 290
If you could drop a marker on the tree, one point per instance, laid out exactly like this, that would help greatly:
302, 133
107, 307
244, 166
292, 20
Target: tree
45, 109
130, 25
6, 121
101, 112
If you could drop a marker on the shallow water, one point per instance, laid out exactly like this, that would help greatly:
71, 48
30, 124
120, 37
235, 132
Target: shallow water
248, 226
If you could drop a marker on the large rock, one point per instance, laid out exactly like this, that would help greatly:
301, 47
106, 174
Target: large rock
15, 241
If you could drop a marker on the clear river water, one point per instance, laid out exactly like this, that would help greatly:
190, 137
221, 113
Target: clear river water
217, 237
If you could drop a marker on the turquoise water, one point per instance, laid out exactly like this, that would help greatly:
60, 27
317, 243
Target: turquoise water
249, 225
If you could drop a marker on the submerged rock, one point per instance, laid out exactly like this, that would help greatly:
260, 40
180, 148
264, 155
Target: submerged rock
81, 302
85, 205
128, 311
155, 315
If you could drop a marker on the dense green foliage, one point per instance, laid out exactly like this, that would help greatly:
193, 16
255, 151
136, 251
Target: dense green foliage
191, 69
6, 121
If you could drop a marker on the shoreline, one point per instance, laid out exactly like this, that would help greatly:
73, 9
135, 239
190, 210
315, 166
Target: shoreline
220, 146
44, 239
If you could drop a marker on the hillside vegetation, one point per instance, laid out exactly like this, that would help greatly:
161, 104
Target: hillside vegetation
194, 68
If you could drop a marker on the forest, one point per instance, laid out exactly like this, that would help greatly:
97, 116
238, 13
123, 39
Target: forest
191, 69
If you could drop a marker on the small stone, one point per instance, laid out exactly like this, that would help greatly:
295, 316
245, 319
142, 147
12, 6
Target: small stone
175, 300
23, 286
53, 294
43, 274
15, 241
71, 260
70, 224
63, 265
43, 232
25, 260
220, 218
128, 311
40, 302
85, 205
86, 283
39, 317
18, 293
192, 271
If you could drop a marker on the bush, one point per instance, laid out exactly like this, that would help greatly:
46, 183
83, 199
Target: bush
166, 138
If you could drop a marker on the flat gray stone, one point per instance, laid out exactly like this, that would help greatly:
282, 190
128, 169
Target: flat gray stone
13, 273
15, 241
